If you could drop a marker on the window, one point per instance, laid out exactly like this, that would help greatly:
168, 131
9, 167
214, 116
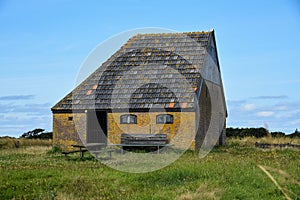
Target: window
128, 119
164, 119
70, 118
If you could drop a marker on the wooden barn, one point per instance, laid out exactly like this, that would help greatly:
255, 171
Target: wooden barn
166, 83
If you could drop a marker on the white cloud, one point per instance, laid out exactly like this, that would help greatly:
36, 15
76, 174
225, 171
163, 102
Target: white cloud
248, 107
281, 108
265, 114
16, 97
271, 97
280, 115
16, 119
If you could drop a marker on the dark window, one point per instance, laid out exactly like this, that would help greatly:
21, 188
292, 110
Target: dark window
164, 119
128, 119
70, 118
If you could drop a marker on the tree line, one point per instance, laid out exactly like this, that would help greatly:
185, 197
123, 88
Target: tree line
257, 132
39, 133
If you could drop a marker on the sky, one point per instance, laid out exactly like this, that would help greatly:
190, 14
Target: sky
44, 43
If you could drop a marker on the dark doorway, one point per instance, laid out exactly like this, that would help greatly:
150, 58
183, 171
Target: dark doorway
96, 127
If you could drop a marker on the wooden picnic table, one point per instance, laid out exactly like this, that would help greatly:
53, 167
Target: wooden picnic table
94, 148
81, 149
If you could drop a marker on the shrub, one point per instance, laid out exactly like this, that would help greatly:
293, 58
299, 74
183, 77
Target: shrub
246, 132
55, 149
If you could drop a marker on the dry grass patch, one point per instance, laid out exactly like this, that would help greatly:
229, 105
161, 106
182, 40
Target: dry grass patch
9, 143
250, 141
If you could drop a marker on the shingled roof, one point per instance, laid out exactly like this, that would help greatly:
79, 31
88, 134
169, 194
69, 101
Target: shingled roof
150, 70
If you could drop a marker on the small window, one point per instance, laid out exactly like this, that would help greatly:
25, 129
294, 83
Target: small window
128, 119
164, 119
70, 118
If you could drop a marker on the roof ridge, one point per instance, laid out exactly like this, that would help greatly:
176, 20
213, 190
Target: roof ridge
173, 33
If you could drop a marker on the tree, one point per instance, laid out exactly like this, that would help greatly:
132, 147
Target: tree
295, 134
37, 133
277, 134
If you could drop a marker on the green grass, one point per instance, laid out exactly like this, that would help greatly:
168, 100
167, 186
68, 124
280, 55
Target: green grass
230, 172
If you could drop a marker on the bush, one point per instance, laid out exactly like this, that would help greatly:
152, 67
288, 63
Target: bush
296, 134
277, 134
246, 132
7, 142
55, 149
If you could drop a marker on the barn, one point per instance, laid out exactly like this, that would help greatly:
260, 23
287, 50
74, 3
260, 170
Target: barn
166, 83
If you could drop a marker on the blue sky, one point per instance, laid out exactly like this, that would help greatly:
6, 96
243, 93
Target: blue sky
44, 43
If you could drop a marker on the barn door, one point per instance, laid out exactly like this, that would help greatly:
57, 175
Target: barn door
96, 127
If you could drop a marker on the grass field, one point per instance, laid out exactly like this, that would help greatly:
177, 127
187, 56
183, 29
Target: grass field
231, 172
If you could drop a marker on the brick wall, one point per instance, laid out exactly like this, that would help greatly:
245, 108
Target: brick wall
64, 131
182, 133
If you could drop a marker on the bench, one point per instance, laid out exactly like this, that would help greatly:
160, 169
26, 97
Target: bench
129, 141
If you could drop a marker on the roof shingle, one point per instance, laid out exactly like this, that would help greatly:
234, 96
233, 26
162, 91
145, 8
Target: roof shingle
150, 69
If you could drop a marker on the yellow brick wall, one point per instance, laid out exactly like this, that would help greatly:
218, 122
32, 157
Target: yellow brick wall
80, 121
64, 131
181, 133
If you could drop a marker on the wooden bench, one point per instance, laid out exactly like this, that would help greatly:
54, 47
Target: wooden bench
129, 141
